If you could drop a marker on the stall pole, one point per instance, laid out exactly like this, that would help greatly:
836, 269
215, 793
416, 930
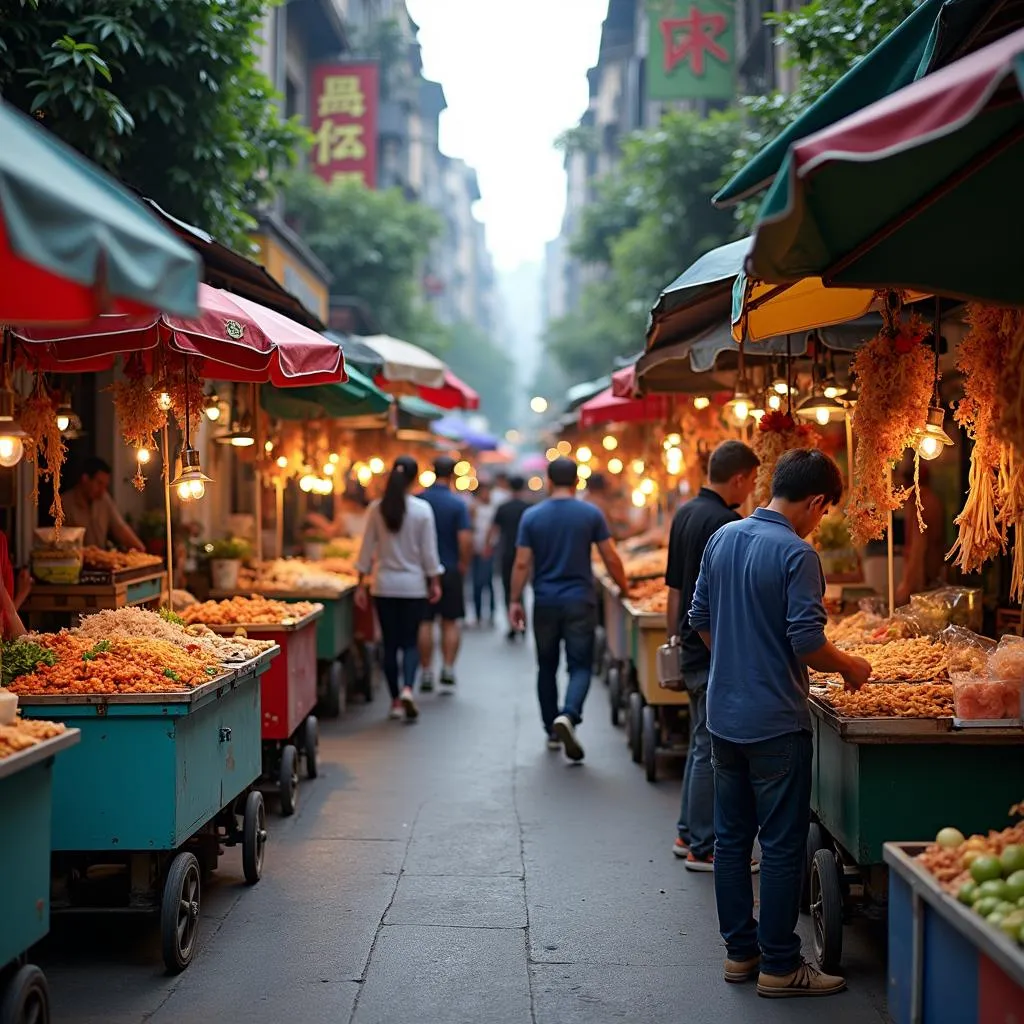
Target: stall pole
849, 452
259, 478
891, 565
167, 514
279, 516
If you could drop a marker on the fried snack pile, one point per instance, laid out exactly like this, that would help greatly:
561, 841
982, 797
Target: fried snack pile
649, 596
895, 700
293, 574
85, 666
24, 733
917, 658
648, 563
117, 561
243, 611
867, 628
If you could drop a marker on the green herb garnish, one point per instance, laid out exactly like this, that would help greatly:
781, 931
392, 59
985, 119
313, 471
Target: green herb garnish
101, 648
171, 674
22, 657
171, 616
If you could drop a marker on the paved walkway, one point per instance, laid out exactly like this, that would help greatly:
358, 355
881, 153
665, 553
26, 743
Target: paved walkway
451, 871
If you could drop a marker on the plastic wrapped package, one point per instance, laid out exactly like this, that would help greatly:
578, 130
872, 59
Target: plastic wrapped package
967, 653
985, 699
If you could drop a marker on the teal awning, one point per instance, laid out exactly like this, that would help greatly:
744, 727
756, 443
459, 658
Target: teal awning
937, 32
358, 396
411, 405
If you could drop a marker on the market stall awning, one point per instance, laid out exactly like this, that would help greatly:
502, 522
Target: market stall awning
232, 339
624, 382
919, 191
414, 406
453, 394
405, 363
356, 397
73, 243
579, 393
937, 32
455, 428
606, 408
361, 356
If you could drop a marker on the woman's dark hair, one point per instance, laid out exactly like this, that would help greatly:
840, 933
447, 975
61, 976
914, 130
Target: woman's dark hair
392, 506
804, 473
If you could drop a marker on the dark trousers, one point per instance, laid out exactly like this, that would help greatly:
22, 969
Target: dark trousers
763, 790
573, 625
483, 583
506, 580
400, 619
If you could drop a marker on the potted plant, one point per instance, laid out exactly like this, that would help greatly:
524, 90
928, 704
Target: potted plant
313, 544
225, 562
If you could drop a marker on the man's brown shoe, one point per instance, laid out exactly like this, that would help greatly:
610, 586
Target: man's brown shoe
738, 971
806, 980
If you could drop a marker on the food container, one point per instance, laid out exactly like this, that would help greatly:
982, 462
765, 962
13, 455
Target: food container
8, 706
58, 561
224, 573
980, 701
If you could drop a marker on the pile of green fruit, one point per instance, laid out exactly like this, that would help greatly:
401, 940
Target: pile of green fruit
996, 890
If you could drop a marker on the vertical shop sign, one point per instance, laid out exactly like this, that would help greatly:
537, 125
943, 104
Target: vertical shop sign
344, 122
692, 49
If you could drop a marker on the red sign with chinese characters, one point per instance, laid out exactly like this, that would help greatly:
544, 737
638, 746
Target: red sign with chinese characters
344, 122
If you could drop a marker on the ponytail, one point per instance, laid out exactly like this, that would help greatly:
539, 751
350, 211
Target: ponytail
392, 505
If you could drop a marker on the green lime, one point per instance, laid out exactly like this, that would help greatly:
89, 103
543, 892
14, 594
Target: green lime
968, 893
1020, 936
995, 887
1015, 885
1020, 902
1012, 923
1012, 859
985, 868
1006, 907
986, 905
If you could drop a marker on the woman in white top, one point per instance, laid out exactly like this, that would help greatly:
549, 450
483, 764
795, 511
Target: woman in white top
483, 510
401, 538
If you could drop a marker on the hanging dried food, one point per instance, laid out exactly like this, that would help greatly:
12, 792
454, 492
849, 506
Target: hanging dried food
1011, 407
180, 380
135, 401
895, 377
776, 434
39, 421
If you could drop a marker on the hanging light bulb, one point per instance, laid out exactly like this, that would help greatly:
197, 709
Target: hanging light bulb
282, 462
268, 446
932, 437
329, 468
647, 486
12, 437
163, 401
637, 465
584, 472
774, 401
211, 407
638, 498
609, 442
364, 475
819, 408
741, 403
584, 454
307, 482
615, 466
65, 415
701, 402
334, 458
780, 386
191, 481
831, 388
143, 455
376, 465
241, 434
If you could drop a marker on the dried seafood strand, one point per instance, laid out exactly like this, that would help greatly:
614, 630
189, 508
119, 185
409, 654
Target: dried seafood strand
979, 537
39, 421
1009, 423
918, 506
777, 434
176, 385
141, 419
1011, 515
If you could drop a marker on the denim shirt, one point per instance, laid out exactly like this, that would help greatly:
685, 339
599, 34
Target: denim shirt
760, 594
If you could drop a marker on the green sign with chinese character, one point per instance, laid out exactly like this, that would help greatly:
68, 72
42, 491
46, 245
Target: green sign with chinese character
692, 49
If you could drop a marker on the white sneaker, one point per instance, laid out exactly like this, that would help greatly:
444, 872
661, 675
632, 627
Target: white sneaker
408, 703
566, 732
397, 711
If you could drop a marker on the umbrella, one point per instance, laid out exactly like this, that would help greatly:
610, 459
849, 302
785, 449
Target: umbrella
624, 382
606, 408
356, 397
73, 243
453, 394
416, 407
456, 429
580, 393
919, 191
405, 363
361, 356
232, 339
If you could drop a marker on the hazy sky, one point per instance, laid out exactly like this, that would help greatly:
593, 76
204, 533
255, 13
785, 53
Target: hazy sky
515, 76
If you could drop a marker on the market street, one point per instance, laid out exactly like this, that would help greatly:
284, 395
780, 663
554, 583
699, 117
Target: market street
450, 871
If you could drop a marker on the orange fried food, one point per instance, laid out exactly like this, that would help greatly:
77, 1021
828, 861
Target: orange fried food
253, 610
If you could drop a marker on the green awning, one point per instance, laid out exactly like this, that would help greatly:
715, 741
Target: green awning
358, 396
934, 34
414, 406
580, 393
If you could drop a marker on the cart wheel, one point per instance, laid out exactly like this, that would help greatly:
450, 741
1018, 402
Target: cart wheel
649, 742
827, 910
289, 780
27, 998
615, 692
334, 682
310, 745
254, 837
634, 725
815, 841
179, 913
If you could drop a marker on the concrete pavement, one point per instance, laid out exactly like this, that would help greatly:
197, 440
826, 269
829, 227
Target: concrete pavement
449, 872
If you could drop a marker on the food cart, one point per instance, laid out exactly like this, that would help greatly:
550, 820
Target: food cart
288, 694
159, 783
617, 666
64, 602
877, 778
658, 722
26, 789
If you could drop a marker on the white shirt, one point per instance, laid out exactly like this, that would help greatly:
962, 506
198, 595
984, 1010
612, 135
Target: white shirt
405, 560
483, 520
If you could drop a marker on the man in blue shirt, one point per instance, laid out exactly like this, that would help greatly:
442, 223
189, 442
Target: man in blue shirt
758, 606
455, 546
555, 539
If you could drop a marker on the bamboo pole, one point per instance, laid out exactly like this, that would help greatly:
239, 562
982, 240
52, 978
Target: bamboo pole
279, 512
891, 566
849, 451
259, 477
167, 513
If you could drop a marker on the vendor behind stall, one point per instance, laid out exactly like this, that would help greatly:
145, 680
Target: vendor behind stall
88, 504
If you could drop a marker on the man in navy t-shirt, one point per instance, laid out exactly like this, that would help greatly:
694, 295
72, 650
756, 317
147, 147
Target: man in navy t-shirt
455, 546
555, 539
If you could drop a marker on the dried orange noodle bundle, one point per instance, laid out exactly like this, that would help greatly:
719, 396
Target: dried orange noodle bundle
39, 421
776, 434
895, 376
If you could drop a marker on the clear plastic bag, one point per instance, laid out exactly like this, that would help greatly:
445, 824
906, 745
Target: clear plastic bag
967, 653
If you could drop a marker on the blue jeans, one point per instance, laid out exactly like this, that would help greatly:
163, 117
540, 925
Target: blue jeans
761, 786
572, 624
696, 824
483, 583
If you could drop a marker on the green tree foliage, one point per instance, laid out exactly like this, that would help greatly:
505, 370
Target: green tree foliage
165, 94
374, 244
485, 367
823, 40
652, 218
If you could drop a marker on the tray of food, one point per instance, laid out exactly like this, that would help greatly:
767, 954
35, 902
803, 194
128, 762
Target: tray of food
649, 596
879, 710
25, 742
256, 614
100, 567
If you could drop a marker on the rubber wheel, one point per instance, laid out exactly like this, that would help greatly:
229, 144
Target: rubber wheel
635, 726
816, 840
179, 913
254, 837
26, 999
827, 911
615, 693
310, 745
334, 682
649, 742
288, 780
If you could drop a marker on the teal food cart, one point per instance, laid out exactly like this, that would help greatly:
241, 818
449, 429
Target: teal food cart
26, 784
159, 783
